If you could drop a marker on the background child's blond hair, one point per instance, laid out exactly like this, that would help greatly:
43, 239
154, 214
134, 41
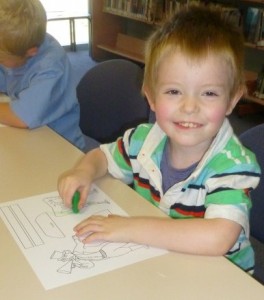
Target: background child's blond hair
22, 26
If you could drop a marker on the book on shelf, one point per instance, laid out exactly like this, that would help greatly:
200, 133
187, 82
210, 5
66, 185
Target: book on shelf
259, 93
260, 41
172, 6
254, 25
233, 15
149, 10
139, 9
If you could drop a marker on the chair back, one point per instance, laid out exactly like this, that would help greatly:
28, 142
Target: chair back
253, 139
110, 99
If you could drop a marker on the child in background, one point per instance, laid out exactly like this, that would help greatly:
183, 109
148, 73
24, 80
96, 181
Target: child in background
35, 73
189, 163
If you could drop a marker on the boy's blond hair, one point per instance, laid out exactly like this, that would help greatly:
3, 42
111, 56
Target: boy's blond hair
196, 31
22, 26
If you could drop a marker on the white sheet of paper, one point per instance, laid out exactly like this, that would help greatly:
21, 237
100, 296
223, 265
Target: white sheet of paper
43, 229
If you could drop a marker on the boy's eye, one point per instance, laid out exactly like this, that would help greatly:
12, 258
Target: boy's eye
210, 94
173, 92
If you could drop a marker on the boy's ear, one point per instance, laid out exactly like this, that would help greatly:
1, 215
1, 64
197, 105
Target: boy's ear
32, 52
149, 96
233, 102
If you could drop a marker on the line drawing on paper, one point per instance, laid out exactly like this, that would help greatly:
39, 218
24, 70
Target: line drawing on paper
22, 227
48, 226
85, 256
43, 229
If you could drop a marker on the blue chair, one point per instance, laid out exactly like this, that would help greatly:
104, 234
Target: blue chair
253, 139
111, 100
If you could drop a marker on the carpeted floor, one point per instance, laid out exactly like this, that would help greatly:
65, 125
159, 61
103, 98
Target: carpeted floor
81, 63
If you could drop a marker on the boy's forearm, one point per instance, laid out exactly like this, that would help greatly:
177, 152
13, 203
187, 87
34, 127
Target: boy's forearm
95, 163
193, 236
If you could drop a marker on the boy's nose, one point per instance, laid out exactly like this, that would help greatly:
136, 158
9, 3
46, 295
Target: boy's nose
189, 105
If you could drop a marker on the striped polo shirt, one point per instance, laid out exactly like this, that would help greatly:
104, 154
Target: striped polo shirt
219, 187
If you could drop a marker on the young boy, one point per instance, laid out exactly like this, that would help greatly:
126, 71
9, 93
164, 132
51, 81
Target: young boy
189, 163
35, 73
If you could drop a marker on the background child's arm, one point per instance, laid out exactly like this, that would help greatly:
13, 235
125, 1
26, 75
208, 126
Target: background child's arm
193, 236
92, 166
8, 117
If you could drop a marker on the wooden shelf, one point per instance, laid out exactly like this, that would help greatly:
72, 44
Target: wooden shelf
127, 15
254, 46
127, 46
252, 2
128, 55
114, 33
254, 99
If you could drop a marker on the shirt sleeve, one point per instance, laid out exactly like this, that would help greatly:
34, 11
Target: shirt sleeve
118, 158
228, 189
42, 101
236, 213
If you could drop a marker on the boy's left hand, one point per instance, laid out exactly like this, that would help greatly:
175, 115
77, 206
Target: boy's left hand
112, 228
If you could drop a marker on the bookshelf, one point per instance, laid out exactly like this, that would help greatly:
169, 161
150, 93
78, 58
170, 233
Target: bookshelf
117, 31
254, 44
119, 28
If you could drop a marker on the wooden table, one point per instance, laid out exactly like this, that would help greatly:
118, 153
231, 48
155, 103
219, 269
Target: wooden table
30, 163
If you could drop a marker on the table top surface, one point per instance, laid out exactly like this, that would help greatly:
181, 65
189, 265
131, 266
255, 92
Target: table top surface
31, 161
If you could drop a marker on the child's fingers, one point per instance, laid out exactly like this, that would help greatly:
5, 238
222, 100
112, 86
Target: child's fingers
91, 224
83, 196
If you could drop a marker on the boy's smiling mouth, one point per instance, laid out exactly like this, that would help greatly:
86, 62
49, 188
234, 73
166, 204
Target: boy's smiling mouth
188, 124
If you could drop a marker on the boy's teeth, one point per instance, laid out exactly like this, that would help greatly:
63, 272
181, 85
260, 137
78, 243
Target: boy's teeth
188, 124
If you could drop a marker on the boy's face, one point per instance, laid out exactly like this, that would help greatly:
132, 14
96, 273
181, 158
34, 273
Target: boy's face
192, 98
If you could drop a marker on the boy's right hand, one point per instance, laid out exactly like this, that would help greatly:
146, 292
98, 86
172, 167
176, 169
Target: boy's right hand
92, 166
72, 181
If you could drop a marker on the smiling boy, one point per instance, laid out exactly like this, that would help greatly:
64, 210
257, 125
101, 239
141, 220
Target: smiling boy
189, 163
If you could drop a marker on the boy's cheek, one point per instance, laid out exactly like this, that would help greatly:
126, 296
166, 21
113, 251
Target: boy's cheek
162, 113
217, 116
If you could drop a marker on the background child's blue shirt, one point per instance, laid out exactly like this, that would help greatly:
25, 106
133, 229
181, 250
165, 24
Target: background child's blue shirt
42, 92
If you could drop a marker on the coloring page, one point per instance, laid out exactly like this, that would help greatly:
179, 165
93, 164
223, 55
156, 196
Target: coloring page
43, 229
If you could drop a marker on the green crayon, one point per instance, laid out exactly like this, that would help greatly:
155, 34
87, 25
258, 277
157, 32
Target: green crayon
75, 202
